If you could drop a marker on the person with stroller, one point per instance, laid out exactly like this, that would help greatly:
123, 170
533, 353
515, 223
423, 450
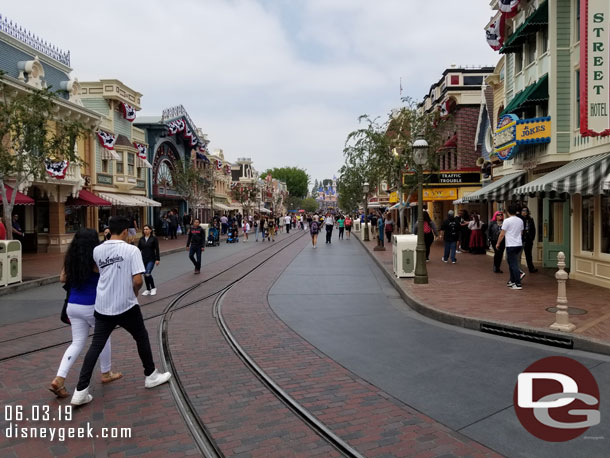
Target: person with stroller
195, 244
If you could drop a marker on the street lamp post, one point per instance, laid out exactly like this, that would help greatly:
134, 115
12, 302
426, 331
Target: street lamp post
365, 188
420, 157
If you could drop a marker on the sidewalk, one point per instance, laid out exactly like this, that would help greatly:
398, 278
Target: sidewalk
44, 268
468, 294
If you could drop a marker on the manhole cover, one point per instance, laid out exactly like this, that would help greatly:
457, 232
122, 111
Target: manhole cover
571, 311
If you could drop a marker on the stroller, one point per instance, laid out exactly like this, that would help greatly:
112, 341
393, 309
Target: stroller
232, 236
213, 237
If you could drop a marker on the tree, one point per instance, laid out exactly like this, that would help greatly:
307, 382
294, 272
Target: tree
309, 204
32, 135
245, 194
296, 179
191, 185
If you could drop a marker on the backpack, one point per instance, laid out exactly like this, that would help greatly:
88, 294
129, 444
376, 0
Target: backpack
314, 227
427, 228
453, 228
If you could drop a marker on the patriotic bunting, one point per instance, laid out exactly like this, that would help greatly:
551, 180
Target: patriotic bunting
129, 112
107, 140
495, 32
508, 6
56, 169
218, 164
228, 169
445, 108
176, 126
141, 150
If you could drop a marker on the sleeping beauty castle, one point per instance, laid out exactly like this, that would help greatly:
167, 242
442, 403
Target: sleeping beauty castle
327, 195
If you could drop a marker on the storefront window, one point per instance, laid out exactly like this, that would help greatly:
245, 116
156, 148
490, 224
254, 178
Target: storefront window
105, 213
75, 219
104, 166
130, 164
588, 218
42, 216
539, 226
605, 248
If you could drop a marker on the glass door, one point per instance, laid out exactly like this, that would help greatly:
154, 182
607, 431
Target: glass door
555, 231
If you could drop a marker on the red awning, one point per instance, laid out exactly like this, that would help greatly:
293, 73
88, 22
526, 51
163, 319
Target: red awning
87, 199
20, 199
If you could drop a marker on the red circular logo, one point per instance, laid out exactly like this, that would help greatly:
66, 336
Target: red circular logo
557, 399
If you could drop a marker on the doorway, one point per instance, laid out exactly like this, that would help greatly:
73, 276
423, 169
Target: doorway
555, 231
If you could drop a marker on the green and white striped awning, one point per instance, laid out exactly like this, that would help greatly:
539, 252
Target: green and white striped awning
498, 190
584, 176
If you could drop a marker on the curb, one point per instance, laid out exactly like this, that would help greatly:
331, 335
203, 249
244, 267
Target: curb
475, 324
23, 286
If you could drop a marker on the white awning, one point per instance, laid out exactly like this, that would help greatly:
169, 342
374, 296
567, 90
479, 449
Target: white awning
147, 202
127, 200
143, 163
110, 155
218, 206
264, 210
499, 190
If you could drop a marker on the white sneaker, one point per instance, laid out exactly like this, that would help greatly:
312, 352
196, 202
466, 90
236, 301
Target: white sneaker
146, 292
156, 378
153, 292
81, 397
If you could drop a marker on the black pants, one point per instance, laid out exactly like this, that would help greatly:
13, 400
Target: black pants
195, 256
498, 254
173, 229
528, 247
388, 235
341, 231
428, 239
329, 232
287, 228
133, 323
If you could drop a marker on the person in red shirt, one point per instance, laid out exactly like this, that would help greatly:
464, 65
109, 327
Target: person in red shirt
2, 230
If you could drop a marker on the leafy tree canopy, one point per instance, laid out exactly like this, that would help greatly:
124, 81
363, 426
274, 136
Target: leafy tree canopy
296, 179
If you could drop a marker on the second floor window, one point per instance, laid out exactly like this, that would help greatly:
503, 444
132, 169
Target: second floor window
104, 166
120, 170
130, 164
530, 49
518, 61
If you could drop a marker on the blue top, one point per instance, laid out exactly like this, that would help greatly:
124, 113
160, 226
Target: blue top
85, 293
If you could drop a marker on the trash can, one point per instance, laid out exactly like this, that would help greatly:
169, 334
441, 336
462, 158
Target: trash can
357, 225
3, 263
13, 255
404, 255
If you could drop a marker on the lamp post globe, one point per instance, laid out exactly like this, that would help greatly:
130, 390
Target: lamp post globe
420, 157
365, 189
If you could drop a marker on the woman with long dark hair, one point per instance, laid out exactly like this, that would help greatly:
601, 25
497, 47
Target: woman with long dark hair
81, 276
149, 247
476, 242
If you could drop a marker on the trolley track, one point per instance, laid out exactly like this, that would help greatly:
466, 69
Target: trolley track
200, 432
147, 308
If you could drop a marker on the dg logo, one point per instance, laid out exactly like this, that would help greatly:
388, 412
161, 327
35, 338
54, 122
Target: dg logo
557, 399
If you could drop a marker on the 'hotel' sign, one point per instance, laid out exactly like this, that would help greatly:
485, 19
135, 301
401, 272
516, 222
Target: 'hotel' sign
595, 67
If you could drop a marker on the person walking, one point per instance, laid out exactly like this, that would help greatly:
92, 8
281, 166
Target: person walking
430, 232
329, 224
463, 243
80, 276
348, 226
288, 223
314, 228
271, 227
476, 243
133, 230
389, 226
195, 244
493, 234
187, 220
512, 230
120, 266
341, 224
529, 237
149, 247
380, 228
173, 225
246, 229
450, 233
256, 222
165, 226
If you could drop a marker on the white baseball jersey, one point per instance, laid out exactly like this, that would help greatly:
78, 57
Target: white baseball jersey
117, 262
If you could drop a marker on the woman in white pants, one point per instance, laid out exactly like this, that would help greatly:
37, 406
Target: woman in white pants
80, 274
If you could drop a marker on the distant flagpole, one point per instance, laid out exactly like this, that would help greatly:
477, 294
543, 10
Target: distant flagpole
401, 87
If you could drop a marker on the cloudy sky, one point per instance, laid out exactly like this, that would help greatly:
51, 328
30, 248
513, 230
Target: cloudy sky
280, 81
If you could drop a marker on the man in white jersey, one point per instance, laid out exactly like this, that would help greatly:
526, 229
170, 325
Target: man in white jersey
512, 231
116, 303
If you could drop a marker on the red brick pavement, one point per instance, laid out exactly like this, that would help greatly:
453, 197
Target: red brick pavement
370, 420
470, 289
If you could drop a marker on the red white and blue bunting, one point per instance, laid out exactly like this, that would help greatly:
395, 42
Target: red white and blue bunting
129, 112
495, 32
228, 169
218, 164
176, 126
141, 150
107, 140
56, 169
508, 6
446, 107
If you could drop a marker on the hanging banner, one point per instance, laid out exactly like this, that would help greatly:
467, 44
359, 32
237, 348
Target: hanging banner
129, 112
505, 138
495, 32
508, 6
218, 164
594, 68
107, 140
228, 169
56, 169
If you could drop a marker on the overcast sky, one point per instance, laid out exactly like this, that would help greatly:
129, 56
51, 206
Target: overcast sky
280, 81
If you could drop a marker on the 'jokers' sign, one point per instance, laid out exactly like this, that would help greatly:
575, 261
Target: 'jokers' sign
595, 68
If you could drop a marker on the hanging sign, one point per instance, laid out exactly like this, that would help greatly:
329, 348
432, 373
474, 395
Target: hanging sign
56, 169
432, 194
595, 68
505, 139
531, 131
